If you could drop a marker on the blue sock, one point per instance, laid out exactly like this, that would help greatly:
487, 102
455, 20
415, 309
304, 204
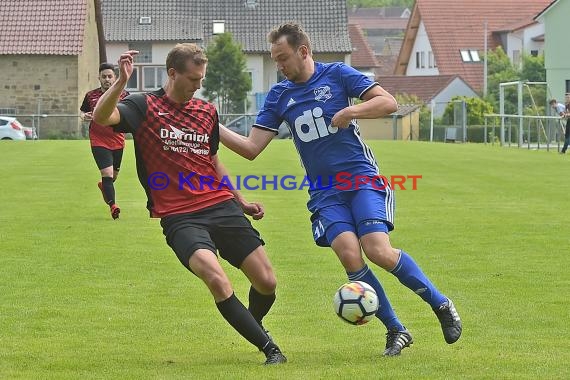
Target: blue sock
410, 274
385, 312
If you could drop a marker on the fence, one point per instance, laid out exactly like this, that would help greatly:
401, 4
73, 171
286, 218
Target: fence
524, 131
54, 126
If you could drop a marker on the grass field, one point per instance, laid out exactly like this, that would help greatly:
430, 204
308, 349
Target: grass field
83, 296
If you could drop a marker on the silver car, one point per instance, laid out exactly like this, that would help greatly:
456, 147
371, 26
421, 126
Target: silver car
12, 129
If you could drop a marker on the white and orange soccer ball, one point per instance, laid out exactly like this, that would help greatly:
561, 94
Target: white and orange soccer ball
355, 302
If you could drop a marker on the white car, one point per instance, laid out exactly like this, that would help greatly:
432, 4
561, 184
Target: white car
11, 129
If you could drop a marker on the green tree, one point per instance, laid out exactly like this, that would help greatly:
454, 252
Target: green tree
226, 80
500, 70
476, 108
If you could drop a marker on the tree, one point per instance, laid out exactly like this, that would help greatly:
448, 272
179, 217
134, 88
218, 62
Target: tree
226, 80
501, 70
476, 108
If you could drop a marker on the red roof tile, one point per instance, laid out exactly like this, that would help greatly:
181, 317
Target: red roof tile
390, 23
53, 27
362, 55
454, 25
386, 64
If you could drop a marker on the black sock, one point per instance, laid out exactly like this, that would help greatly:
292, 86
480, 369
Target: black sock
108, 190
241, 320
259, 304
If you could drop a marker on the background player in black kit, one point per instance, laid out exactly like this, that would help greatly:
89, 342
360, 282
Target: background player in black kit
175, 133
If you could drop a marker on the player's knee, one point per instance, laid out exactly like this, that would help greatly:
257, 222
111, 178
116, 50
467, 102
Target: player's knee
269, 283
381, 254
351, 260
219, 285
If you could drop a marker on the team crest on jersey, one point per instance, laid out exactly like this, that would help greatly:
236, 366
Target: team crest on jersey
323, 93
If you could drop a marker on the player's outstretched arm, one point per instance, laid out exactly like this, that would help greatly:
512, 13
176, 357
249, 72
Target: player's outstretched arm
106, 112
377, 102
247, 147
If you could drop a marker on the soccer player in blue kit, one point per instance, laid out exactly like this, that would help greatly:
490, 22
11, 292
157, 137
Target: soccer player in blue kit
316, 102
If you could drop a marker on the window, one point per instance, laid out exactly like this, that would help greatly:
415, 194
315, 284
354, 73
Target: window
465, 56
516, 58
133, 83
474, 55
145, 51
534, 53
430, 60
417, 59
218, 26
568, 86
153, 77
423, 59
470, 55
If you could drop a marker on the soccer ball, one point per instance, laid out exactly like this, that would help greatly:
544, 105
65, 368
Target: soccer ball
355, 302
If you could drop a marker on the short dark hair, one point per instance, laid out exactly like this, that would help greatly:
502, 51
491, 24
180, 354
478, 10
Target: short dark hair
181, 53
294, 34
106, 66
553, 101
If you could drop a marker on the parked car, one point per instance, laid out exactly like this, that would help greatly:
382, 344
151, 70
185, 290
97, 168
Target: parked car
12, 129
242, 125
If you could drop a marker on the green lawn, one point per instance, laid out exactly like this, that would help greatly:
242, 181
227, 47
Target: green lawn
83, 296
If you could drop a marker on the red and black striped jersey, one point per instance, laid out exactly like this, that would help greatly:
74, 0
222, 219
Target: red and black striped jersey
174, 147
100, 135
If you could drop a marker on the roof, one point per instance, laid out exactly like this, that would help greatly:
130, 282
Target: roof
386, 64
325, 21
454, 25
545, 10
387, 18
406, 109
388, 23
42, 27
362, 55
375, 12
392, 45
515, 26
425, 87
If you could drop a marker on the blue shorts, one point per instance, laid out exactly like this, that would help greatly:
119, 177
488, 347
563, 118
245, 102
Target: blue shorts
360, 212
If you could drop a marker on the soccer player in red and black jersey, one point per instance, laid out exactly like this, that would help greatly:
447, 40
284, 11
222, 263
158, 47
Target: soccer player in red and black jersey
106, 144
176, 141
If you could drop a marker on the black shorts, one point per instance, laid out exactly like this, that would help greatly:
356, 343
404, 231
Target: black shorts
106, 157
222, 227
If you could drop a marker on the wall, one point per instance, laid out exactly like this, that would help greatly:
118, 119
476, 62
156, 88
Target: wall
457, 87
88, 59
556, 52
407, 127
421, 44
45, 83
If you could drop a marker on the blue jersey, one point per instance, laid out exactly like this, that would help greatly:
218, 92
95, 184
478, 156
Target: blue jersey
329, 155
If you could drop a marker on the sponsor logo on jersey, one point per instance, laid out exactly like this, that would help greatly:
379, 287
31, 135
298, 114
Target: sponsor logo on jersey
181, 141
311, 125
323, 93
177, 134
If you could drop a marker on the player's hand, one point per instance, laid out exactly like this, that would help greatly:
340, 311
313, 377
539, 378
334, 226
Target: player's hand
253, 209
341, 119
126, 64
